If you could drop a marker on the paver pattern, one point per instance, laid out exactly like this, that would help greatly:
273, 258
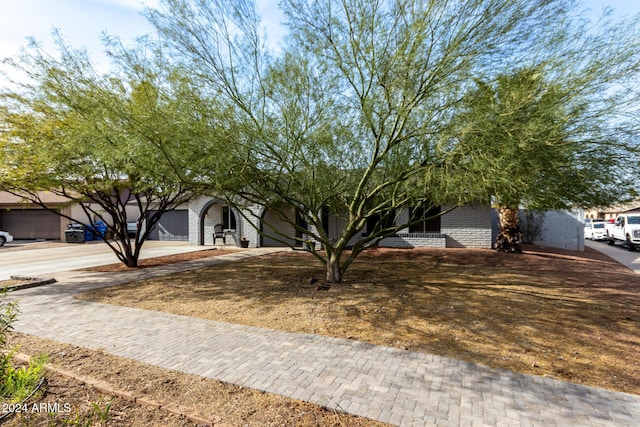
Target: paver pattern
398, 387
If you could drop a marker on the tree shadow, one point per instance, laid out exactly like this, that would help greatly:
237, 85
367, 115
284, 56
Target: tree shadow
560, 316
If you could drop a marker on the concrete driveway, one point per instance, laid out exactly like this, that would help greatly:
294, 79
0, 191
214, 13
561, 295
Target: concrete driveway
619, 253
46, 258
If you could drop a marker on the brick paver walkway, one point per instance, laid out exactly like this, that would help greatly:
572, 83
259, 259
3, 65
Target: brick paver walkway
394, 386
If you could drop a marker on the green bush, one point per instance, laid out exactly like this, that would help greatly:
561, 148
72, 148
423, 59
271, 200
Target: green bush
8, 314
19, 383
16, 384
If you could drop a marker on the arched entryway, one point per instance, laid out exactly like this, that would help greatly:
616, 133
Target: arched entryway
217, 212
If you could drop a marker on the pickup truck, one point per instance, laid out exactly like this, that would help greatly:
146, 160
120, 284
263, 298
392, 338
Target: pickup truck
626, 228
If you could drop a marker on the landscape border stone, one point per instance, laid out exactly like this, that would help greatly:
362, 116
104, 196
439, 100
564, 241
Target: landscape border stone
32, 282
139, 399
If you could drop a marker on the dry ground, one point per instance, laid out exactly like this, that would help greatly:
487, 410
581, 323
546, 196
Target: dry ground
570, 316
219, 403
561, 314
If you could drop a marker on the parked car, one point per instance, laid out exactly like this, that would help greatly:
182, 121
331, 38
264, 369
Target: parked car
595, 231
5, 237
626, 228
590, 220
132, 229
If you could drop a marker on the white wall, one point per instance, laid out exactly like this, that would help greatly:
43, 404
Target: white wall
561, 229
468, 226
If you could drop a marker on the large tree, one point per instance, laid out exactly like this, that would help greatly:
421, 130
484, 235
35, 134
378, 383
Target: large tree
558, 131
349, 116
124, 144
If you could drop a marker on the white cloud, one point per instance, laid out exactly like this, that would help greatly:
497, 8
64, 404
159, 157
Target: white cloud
272, 21
81, 22
138, 5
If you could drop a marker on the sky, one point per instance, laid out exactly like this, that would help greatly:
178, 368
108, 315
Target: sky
82, 22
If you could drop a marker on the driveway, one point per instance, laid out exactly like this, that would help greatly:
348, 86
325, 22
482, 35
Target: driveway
619, 253
38, 259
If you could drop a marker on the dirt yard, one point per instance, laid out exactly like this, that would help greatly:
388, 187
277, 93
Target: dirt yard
565, 315
217, 403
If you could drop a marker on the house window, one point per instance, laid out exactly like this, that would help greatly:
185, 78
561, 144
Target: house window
376, 223
228, 218
325, 219
428, 222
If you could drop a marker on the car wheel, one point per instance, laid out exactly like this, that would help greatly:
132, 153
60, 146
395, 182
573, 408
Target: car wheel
3, 240
630, 246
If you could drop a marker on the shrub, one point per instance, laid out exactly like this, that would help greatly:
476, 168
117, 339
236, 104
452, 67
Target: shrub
16, 384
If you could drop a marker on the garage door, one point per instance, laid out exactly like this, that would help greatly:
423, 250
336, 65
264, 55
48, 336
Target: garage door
31, 224
173, 225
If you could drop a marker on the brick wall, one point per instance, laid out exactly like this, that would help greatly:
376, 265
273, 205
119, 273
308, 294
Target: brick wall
402, 240
468, 226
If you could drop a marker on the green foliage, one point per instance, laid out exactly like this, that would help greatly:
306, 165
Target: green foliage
350, 116
101, 413
8, 315
360, 111
120, 144
550, 135
371, 107
19, 384
98, 414
530, 140
16, 384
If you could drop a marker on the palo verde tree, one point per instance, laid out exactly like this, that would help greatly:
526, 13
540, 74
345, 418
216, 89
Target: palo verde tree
557, 134
349, 116
122, 145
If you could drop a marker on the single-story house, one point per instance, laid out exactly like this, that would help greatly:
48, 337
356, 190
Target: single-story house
465, 226
470, 226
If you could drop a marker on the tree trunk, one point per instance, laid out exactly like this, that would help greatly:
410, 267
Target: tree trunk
509, 236
130, 254
334, 274
132, 262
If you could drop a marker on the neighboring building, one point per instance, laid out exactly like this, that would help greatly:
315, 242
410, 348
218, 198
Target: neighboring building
557, 229
613, 211
25, 220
